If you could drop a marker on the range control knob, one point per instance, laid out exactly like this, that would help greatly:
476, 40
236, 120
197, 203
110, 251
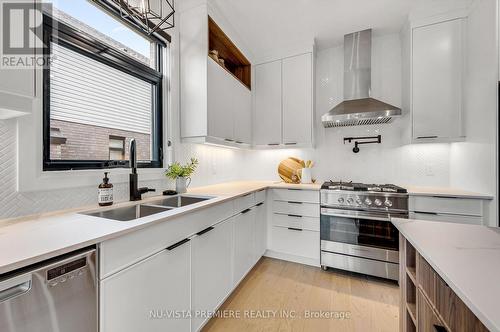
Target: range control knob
388, 203
358, 200
341, 200
378, 202
350, 200
368, 201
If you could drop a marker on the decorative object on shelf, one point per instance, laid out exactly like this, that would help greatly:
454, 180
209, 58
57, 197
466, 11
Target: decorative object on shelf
182, 174
151, 15
364, 140
289, 169
222, 62
214, 54
306, 173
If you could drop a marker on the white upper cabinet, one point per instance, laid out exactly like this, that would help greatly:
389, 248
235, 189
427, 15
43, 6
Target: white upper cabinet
216, 100
267, 121
284, 102
242, 115
297, 100
220, 111
437, 81
17, 84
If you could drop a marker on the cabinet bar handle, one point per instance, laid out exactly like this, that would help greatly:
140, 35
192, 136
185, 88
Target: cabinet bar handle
228, 140
273, 144
294, 216
245, 211
178, 244
290, 202
424, 137
260, 204
206, 230
439, 328
291, 143
295, 229
429, 213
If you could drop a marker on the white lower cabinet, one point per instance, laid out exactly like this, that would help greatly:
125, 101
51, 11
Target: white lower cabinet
143, 296
244, 230
260, 230
211, 271
296, 242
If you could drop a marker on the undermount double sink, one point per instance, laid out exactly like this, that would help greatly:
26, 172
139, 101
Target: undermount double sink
129, 213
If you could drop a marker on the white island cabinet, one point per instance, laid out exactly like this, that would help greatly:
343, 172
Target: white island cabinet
141, 297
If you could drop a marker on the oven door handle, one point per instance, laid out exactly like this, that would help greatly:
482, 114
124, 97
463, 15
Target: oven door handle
350, 216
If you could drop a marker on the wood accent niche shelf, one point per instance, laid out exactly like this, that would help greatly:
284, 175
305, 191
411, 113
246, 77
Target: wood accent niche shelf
234, 61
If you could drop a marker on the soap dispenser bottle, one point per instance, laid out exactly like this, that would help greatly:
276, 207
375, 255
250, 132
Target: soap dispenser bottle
105, 193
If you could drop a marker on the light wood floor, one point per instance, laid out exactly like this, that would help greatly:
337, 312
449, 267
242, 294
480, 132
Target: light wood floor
293, 288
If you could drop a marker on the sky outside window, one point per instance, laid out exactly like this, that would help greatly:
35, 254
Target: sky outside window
89, 14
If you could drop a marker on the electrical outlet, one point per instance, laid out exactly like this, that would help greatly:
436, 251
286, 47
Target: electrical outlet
214, 167
429, 170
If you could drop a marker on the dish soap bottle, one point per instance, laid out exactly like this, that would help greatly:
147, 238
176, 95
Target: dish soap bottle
105, 193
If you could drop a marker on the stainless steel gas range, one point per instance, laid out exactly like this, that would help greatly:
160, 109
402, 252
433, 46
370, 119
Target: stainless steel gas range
356, 232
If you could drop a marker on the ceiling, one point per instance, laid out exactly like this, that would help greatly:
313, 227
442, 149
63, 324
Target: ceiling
267, 25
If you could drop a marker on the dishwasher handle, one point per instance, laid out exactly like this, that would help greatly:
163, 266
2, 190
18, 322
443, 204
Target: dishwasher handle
15, 287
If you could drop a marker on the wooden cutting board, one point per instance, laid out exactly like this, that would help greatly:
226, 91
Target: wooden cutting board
289, 169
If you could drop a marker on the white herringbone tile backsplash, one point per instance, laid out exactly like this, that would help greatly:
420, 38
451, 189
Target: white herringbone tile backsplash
14, 204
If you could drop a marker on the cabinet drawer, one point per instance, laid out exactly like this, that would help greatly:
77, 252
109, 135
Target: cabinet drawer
296, 242
447, 218
244, 202
118, 253
260, 196
428, 320
454, 313
296, 221
447, 205
296, 208
296, 195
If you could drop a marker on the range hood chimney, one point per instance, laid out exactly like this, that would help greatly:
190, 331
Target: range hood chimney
358, 108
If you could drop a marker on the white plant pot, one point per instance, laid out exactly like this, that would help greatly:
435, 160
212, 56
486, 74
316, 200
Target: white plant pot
306, 177
181, 184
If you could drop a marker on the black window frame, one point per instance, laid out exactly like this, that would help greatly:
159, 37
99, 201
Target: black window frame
55, 31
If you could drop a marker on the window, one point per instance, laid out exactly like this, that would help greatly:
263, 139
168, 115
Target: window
99, 93
116, 148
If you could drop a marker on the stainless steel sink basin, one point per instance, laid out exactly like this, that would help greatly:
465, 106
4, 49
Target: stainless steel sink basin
129, 213
180, 200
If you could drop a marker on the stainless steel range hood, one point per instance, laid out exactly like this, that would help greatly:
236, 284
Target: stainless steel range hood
358, 108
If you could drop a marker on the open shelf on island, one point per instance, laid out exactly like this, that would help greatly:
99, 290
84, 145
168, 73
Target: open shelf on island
234, 61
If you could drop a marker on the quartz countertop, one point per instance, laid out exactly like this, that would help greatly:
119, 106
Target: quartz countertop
467, 257
31, 239
445, 192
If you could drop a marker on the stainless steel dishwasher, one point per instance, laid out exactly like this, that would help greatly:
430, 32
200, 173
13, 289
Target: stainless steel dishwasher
59, 295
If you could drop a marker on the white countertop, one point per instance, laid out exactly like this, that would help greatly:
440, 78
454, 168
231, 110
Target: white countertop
445, 192
29, 240
467, 257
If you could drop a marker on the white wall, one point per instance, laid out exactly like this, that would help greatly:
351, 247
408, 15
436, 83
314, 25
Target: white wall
393, 161
473, 164
390, 162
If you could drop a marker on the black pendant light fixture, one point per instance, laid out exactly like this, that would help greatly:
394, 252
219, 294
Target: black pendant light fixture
151, 15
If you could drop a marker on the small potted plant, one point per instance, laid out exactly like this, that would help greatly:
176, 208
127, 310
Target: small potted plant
181, 174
